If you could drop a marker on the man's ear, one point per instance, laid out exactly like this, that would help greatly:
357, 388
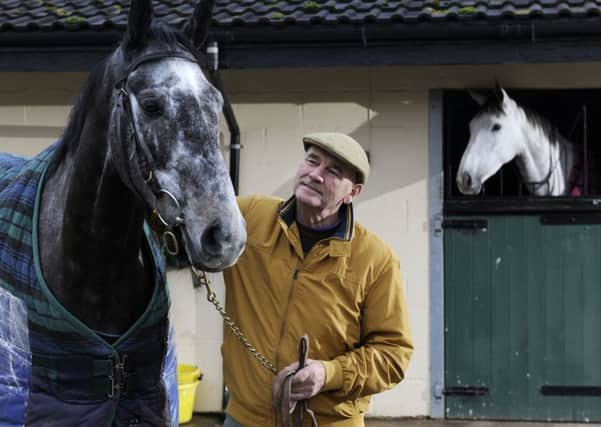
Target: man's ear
357, 188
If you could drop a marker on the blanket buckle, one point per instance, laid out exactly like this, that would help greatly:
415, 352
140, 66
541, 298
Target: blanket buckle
117, 378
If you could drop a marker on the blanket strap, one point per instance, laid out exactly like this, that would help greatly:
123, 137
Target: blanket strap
94, 378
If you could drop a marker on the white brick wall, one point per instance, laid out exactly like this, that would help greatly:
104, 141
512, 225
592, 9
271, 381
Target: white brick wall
385, 108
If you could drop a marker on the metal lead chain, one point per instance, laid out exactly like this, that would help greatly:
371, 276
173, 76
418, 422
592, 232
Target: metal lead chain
200, 279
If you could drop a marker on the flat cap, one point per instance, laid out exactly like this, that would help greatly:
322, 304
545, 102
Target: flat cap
343, 147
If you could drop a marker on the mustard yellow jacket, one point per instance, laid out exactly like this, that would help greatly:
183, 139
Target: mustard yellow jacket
346, 294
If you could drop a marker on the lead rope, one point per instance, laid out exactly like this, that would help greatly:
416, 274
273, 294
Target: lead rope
301, 407
200, 279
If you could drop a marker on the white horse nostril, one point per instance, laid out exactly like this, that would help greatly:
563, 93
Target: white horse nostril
467, 180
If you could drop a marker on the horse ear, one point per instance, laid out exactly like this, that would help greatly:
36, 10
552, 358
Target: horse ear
500, 92
138, 23
198, 26
478, 97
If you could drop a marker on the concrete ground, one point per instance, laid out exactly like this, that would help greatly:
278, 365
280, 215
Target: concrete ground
216, 420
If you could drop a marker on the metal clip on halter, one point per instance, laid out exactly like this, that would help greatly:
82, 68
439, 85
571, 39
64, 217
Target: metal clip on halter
170, 242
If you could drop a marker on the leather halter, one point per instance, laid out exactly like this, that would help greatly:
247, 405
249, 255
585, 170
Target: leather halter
134, 160
552, 166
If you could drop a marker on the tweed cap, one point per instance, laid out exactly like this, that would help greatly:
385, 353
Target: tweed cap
343, 147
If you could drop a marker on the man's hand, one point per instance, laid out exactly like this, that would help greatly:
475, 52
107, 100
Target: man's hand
308, 381
305, 384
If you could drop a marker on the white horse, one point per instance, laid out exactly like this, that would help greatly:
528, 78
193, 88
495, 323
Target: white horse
503, 131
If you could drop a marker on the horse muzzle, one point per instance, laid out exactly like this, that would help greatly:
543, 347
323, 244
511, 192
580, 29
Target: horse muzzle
218, 247
467, 184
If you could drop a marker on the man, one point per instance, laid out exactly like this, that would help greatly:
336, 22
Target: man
310, 268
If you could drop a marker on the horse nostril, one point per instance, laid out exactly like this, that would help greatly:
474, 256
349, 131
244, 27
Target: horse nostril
214, 238
467, 180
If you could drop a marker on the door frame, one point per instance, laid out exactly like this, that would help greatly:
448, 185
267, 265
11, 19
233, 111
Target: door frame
435, 214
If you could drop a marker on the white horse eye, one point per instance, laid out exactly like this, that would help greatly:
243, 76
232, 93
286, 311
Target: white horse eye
496, 127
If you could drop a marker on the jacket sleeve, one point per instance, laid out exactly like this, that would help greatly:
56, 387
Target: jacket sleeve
386, 346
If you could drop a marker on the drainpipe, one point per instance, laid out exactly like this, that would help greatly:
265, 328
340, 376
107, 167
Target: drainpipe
228, 113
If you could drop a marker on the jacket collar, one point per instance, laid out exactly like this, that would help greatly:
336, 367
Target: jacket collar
344, 230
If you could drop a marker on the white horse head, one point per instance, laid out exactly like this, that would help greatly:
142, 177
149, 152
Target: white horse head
502, 131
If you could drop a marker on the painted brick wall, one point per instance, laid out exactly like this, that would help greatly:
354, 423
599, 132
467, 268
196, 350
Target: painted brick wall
34, 108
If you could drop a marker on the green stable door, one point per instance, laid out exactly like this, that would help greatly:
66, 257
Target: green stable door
523, 318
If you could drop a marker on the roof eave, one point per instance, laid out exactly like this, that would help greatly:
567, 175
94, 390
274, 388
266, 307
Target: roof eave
419, 43
373, 32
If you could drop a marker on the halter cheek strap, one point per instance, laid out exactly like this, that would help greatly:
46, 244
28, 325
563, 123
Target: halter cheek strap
552, 166
125, 156
133, 158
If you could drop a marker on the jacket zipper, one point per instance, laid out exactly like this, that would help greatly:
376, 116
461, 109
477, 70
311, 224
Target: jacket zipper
283, 328
285, 317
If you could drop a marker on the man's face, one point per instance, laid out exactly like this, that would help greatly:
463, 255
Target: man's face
323, 182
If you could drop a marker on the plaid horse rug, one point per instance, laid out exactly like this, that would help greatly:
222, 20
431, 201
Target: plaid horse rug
54, 370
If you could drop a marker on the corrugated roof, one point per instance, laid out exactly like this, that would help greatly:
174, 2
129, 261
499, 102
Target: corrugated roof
48, 15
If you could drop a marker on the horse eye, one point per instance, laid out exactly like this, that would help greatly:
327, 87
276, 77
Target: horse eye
152, 108
496, 127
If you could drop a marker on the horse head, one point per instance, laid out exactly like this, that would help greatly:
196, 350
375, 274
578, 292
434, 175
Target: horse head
164, 135
495, 139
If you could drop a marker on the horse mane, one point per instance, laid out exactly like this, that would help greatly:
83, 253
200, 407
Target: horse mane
494, 105
83, 104
167, 35
87, 99
549, 130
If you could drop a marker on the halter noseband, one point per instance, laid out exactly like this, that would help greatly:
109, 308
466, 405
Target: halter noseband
139, 176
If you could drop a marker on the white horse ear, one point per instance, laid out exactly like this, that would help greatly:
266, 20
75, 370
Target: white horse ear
500, 92
505, 97
478, 97
197, 27
505, 100
138, 22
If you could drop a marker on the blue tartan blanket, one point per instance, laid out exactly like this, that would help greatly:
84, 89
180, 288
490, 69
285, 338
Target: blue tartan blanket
54, 370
